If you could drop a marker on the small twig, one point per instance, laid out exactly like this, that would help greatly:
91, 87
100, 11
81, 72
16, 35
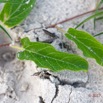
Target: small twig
68, 19
3, 45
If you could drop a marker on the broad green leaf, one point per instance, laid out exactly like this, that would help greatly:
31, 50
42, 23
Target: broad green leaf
16, 11
3, 1
87, 43
44, 55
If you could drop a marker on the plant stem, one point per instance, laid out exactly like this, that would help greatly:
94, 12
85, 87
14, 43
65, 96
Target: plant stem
17, 47
13, 46
3, 45
60, 29
68, 19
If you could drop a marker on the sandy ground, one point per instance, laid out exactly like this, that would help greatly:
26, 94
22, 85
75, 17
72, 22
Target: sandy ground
17, 85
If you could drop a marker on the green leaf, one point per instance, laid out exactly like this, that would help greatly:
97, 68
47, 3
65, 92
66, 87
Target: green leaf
87, 43
9, 1
3, 1
44, 55
16, 11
